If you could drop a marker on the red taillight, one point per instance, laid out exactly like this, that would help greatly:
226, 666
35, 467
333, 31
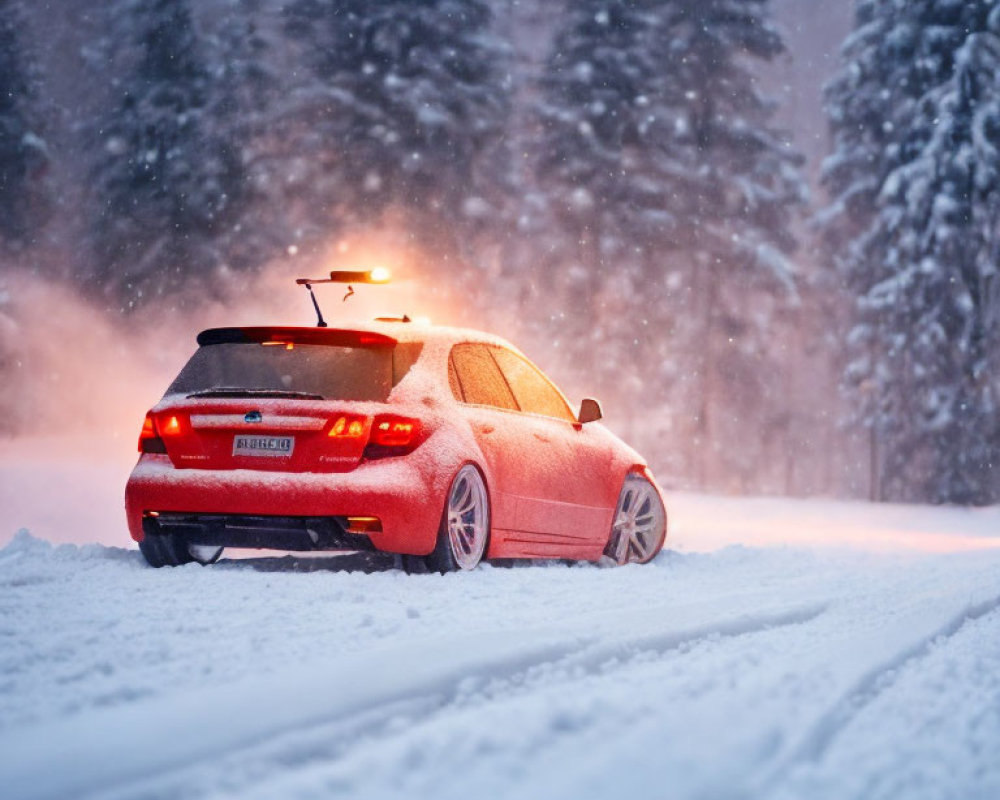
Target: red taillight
392, 436
393, 431
149, 437
347, 427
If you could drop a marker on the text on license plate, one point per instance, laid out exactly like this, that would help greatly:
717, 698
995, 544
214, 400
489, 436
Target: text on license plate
263, 445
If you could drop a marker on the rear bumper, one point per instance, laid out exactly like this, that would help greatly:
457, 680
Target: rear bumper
261, 533
392, 490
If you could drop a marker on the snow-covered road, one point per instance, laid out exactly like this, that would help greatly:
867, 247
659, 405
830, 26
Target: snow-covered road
785, 667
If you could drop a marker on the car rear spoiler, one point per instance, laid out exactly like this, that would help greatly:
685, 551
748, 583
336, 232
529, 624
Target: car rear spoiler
282, 335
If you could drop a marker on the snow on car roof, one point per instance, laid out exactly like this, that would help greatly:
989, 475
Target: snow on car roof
425, 332
382, 332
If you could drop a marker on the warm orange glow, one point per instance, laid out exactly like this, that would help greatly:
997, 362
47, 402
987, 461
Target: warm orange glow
173, 427
705, 523
380, 275
148, 431
364, 525
385, 247
397, 427
348, 428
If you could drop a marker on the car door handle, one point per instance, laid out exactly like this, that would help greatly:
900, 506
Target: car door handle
486, 429
541, 438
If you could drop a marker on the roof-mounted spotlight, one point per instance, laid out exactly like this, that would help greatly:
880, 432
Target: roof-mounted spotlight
376, 275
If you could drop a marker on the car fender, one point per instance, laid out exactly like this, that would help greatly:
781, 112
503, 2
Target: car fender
450, 446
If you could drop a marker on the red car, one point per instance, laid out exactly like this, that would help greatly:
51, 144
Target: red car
446, 446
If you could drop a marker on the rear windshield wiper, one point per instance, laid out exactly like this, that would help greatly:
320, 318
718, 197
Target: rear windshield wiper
232, 391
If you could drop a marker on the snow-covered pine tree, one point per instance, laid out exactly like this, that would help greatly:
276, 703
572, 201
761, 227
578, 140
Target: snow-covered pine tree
598, 125
23, 153
244, 110
912, 228
168, 184
601, 199
405, 108
877, 86
679, 197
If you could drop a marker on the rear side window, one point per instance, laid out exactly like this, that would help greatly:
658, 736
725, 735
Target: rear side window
534, 392
477, 378
316, 370
404, 356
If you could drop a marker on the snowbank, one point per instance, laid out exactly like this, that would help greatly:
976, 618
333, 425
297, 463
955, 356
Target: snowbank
747, 671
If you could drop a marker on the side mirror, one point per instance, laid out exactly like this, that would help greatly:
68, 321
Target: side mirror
590, 411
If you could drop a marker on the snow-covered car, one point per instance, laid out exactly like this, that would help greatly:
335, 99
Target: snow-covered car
444, 445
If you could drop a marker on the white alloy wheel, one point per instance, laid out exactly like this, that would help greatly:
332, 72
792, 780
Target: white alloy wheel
640, 523
467, 518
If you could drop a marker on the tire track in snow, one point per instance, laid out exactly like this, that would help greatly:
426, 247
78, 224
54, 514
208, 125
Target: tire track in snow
662, 642
870, 685
109, 750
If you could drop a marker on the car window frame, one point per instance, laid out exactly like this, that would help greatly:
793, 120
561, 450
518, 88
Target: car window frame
489, 348
452, 365
570, 416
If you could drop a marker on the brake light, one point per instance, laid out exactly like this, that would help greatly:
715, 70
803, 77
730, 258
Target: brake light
392, 436
347, 427
149, 437
393, 432
172, 428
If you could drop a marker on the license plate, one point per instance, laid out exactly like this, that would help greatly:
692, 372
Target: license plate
275, 446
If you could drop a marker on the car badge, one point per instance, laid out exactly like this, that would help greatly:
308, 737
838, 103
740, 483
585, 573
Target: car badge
253, 416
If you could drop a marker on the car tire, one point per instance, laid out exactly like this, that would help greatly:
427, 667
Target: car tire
639, 526
166, 550
464, 532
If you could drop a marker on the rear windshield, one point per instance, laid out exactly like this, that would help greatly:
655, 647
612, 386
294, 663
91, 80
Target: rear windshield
317, 371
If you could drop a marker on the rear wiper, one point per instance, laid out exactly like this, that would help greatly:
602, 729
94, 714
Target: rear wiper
232, 391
